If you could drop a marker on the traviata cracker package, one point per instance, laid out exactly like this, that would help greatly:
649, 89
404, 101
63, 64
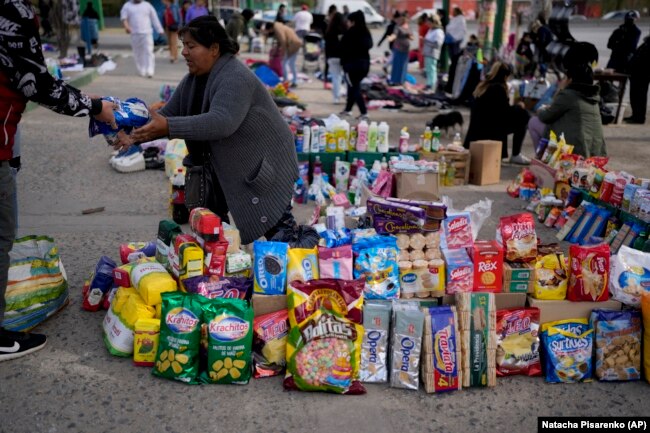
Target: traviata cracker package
441, 367
517, 233
588, 273
477, 318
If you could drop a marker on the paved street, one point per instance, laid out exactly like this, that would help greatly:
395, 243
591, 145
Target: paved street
75, 385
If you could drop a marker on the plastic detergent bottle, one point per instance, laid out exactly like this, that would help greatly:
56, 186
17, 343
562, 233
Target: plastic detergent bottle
404, 140
640, 241
384, 163
382, 137
322, 139
306, 138
442, 170
426, 142
331, 140
373, 132
315, 138
341, 133
362, 136
450, 175
318, 165
435, 140
300, 139
354, 137
457, 140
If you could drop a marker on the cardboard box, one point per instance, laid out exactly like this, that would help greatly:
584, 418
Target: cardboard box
488, 266
264, 304
417, 186
544, 175
485, 162
550, 311
518, 286
518, 271
504, 301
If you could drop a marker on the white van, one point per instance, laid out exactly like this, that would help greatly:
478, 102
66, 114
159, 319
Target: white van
373, 18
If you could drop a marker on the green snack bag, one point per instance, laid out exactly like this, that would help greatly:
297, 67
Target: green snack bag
230, 341
180, 336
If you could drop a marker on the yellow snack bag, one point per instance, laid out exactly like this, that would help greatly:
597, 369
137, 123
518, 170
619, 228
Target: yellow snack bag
151, 279
145, 342
551, 277
135, 309
303, 264
645, 308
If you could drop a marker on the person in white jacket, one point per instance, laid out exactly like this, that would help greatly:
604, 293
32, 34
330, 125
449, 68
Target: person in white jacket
139, 19
433, 41
456, 33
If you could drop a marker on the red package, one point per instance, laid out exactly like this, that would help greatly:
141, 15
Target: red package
340, 296
458, 231
215, 257
206, 224
122, 276
269, 343
488, 266
518, 237
518, 342
588, 273
182, 239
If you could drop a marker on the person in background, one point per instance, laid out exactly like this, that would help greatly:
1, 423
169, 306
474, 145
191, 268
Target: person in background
639, 69
423, 28
433, 41
90, 27
198, 9
24, 77
346, 12
280, 16
542, 36
623, 42
171, 23
330, 13
238, 25
185, 6
444, 19
493, 118
355, 59
44, 7
289, 43
390, 29
302, 22
524, 63
226, 116
401, 45
575, 112
139, 18
333, 35
455, 34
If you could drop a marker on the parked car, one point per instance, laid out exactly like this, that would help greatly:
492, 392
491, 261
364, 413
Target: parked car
618, 15
416, 16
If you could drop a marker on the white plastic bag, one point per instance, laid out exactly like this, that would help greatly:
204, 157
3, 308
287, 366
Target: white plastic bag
629, 276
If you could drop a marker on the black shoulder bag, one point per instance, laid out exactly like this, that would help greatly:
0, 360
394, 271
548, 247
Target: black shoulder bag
198, 184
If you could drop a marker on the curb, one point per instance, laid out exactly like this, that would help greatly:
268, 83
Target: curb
83, 79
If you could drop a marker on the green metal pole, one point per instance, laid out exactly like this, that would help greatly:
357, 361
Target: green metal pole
497, 39
444, 57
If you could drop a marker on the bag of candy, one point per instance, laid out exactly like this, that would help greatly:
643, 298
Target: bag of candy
270, 267
230, 339
335, 262
211, 286
378, 265
180, 335
338, 296
568, 350
270, 343
324, 354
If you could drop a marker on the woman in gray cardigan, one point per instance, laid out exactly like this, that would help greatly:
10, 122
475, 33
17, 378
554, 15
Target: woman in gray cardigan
225, 114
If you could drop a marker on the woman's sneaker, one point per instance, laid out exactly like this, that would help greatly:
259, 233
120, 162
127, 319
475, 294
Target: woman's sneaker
16, 344
345, 113
520, 160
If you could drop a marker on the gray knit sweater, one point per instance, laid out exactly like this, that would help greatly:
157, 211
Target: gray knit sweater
253, 151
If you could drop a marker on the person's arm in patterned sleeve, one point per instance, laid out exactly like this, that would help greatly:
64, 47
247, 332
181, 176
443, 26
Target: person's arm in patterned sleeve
22, 61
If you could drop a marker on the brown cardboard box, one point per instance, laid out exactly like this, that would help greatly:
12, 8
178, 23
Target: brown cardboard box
518, 286
550, 311
501, 300
485, 163
417, 186
518, 271
264, 304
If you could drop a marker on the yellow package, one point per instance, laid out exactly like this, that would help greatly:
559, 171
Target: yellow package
120, 298
118, 335
302, 264
145, 341
150, 278
190, 260
645, 308
158, 308
134, 309
550, 277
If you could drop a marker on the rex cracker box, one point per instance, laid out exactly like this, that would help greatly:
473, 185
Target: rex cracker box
460, 271
488, 266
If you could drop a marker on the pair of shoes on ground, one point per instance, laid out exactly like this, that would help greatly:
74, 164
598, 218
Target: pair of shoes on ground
128, 161
633, 120
16, 344
349, 114
517, 159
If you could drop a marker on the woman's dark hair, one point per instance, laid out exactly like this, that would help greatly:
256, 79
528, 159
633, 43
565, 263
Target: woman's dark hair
397, 14
358, 19
206, 30
581, 74
336, 24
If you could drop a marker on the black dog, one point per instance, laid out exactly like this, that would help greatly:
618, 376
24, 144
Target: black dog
446, 121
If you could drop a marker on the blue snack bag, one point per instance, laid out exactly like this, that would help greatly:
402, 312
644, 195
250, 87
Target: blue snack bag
379, 267
270, 267
568, 345
129, 114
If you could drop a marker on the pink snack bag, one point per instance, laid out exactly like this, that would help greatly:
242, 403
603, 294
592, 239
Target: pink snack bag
335, 262
458, 231
460, 271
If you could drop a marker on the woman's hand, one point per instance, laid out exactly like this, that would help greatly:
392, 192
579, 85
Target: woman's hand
123, 141
158, 127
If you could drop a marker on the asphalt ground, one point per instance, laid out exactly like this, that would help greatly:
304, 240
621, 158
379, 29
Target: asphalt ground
75, 385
